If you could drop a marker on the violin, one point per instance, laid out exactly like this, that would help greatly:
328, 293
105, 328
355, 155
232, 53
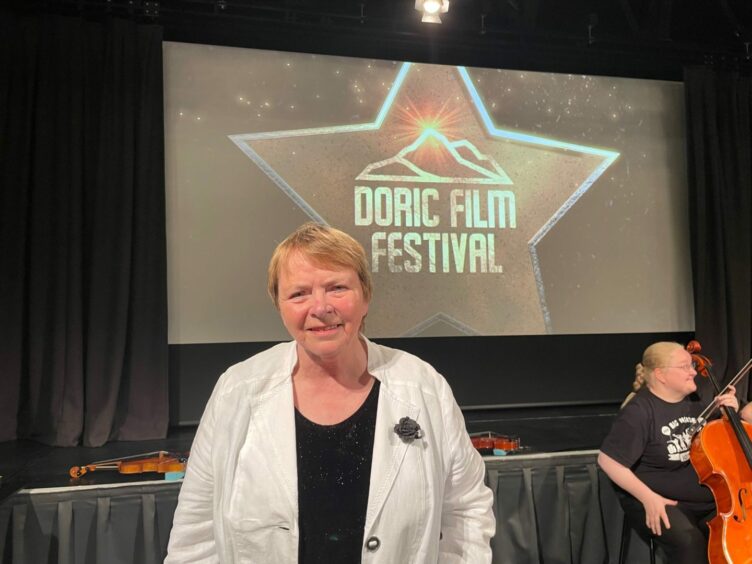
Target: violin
721, 454
487, 442
158, 461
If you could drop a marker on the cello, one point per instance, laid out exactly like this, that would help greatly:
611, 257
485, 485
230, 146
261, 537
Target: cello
721, 454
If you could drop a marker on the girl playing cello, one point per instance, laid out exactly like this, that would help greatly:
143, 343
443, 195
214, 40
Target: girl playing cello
646, 454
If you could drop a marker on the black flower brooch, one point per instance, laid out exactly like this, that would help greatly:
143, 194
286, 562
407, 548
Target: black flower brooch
408, 430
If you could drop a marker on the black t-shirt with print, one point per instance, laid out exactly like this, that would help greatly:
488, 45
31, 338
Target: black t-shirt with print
650, 437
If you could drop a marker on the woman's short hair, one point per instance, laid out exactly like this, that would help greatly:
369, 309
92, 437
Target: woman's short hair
325, 246
655, 356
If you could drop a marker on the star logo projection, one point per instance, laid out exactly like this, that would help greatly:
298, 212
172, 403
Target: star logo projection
449, 207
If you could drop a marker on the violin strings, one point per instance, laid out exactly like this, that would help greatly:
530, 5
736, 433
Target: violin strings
142, 455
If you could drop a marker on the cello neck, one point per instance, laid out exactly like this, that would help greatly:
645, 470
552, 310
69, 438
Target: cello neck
735, 421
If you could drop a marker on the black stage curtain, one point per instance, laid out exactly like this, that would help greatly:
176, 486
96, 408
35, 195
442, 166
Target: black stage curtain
83, 300
719, 137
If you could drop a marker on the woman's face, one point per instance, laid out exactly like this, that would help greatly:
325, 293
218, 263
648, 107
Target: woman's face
678, 373
322, 309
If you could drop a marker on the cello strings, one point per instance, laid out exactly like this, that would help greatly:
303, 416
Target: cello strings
710, 409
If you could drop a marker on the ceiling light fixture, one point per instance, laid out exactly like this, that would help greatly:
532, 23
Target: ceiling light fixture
431, 9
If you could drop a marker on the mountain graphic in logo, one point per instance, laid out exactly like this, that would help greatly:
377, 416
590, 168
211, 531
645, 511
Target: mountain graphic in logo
433, 158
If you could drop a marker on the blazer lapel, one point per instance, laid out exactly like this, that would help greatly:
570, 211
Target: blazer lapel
274, 420
388, 450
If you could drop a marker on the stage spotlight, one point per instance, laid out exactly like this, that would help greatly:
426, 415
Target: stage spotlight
431, 9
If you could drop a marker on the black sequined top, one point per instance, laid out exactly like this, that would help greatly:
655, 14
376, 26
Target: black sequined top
334, 471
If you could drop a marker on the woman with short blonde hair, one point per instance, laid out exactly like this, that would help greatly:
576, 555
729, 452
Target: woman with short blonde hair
331, 448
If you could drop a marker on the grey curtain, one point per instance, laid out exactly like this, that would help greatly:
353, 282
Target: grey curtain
83, 299
558, 510
128, 524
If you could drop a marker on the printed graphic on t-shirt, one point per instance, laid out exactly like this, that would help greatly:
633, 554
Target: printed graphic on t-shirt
677, 445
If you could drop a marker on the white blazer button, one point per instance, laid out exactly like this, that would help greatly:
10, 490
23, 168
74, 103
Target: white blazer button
373, 543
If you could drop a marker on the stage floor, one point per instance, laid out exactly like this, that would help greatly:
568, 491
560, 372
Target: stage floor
26, 465
30, 465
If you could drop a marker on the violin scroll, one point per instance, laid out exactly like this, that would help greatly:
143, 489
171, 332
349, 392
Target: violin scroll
78, 471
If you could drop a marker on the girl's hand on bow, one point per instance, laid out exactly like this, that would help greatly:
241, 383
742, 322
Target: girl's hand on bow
728, 399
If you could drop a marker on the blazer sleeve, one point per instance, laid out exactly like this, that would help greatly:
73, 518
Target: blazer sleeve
467, 519
192, 536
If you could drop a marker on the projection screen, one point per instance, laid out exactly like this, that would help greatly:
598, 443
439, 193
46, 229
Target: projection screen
489, 202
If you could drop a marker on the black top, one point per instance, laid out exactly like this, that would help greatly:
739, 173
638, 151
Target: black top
334, 471
650, 437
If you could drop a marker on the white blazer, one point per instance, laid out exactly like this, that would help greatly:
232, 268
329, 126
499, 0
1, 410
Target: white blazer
427, 500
